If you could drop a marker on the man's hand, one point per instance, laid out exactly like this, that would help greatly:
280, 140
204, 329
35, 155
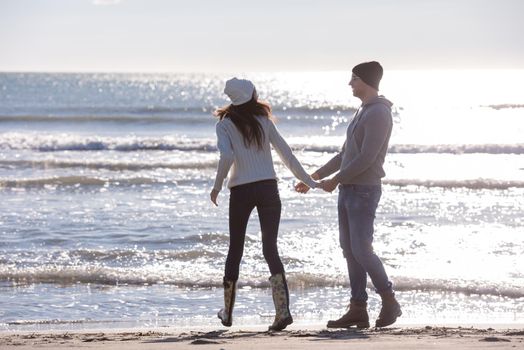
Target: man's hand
214, 195
329, 185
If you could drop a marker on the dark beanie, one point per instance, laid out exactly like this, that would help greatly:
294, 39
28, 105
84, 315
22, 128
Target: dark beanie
369, 72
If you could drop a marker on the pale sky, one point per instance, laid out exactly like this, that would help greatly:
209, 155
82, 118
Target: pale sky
265, 35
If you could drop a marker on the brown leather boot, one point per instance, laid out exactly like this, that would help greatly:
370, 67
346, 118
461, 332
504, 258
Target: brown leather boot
389, 312
356, 316
226, 314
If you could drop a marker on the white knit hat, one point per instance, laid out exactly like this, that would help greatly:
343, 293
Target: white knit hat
239, 91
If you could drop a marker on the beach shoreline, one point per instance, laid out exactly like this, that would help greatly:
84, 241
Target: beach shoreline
256, 337
109, 237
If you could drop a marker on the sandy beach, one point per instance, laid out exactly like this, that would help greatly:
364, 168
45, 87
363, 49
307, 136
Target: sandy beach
315, 337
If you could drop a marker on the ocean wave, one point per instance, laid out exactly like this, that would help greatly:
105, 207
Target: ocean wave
81, 181
89, 255
107, 165
67, 142
126, 257
74, 142
192, 240
459, 149
148, 276
463, 287
490, 184
152, 114
58, 322
78, 181
421, 149
505, 106
188, 116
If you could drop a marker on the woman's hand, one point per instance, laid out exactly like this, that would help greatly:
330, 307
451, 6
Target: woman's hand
214, 195
301, 187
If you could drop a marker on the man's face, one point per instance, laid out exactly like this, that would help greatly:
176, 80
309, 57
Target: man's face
357, 85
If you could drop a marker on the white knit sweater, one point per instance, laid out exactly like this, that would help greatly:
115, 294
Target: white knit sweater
251, 164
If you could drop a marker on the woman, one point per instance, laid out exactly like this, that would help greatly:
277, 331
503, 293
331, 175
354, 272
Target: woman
245, 131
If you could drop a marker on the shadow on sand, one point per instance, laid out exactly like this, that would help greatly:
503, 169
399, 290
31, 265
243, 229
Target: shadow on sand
218, 337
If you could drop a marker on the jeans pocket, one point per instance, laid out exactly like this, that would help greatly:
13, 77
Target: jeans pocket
363, 194
367, 191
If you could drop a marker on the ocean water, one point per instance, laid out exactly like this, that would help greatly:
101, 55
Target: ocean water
105, 218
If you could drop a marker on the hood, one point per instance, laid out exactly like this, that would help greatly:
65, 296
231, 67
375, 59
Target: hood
379, 100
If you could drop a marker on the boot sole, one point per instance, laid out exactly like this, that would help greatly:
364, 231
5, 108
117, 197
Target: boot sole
359, 325
227, 324
389, 322
282, 325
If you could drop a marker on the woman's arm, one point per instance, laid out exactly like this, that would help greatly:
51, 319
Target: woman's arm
286, 154
226, 156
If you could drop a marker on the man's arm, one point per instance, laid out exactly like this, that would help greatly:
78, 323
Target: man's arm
323, 171
376, 130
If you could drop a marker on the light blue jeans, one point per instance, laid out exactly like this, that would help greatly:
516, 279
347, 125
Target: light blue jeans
357, 205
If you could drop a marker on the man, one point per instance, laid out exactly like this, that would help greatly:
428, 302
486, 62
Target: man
359, 172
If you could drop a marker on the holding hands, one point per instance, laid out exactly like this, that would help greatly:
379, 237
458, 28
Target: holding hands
327, 185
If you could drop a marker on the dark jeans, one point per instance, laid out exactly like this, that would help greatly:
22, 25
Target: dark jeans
243, 199
357, 205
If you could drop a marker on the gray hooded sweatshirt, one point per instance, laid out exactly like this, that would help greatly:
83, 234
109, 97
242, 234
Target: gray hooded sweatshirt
362, 156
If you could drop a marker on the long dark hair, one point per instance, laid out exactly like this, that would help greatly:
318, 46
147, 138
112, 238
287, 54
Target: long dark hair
243, 116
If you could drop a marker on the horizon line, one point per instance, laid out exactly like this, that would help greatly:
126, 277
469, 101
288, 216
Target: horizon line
102, 71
